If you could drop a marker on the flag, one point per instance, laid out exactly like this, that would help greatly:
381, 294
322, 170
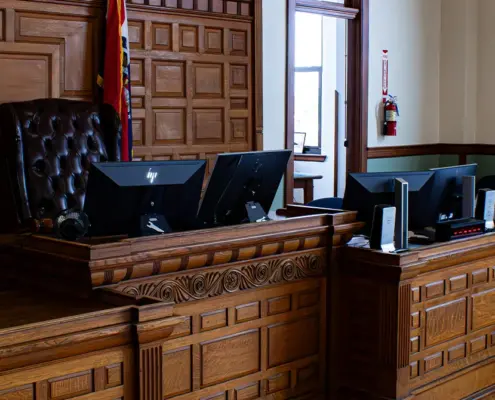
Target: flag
114, 77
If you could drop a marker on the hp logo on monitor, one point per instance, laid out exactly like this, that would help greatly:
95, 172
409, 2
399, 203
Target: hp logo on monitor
151, 176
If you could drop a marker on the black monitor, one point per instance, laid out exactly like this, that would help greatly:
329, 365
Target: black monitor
366, 190
119, 194
242, 187
446, 198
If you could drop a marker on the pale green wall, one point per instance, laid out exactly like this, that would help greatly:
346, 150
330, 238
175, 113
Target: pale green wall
486, 164
413, 163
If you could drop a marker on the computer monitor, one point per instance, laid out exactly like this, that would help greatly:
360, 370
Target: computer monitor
242, 187
366, 190
446, 197
119, 194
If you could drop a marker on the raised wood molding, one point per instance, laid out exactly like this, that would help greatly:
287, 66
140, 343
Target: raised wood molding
357, 97
326, 8
403, 151
258, 72
216, 282
431, 149
310, 157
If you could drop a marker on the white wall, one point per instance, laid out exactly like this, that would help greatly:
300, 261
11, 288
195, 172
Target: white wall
485, 132
459, 71
274, 65
410, 30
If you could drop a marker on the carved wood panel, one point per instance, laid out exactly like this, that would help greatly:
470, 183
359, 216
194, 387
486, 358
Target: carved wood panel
92, 376
48, 50
451, 322
230, 7
191, 85
234, 348
192, 75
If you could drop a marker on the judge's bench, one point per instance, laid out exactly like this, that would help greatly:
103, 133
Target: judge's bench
280, 309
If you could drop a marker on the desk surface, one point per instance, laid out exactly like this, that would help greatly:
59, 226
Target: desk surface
301, 175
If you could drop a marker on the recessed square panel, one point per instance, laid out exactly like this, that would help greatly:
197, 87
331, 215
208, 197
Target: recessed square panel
137, 72
230, 357
239, 129
137, 132
213, 40
168, 79
217, 6
208, 80
433, 362
187, 4
171, 3
238, 43
245, 11
231, 7
177, 367
208, 125
238, 76
169, 126
202, 5
162, 36
483, 309
25, 76
188, 38
445, 321
290, 341
136, 34
278, 382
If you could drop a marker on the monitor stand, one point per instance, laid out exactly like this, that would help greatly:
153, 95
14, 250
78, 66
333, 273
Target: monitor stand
255, 212
152, 224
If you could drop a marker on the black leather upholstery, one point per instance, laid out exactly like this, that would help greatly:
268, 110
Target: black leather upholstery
46, 147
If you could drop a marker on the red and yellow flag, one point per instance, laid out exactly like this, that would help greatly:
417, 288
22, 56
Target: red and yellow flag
115, 75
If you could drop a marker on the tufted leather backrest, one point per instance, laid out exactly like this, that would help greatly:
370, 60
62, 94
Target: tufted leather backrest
46, 148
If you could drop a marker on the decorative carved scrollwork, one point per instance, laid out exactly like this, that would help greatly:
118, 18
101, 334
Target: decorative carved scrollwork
196, 286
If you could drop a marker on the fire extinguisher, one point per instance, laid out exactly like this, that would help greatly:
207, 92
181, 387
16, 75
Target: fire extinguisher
391, 114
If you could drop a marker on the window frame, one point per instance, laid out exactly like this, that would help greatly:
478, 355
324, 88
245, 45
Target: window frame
320, 97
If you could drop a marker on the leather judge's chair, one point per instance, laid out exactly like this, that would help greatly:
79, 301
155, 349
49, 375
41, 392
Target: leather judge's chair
46, 148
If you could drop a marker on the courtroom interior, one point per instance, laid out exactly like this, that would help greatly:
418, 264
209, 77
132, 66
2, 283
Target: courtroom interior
247, 200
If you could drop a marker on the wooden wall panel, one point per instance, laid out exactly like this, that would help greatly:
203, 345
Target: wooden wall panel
192, 68
238, 349
192, 84
91, 376
48, 50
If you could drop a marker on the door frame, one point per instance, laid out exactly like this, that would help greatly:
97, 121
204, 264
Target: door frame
357, 14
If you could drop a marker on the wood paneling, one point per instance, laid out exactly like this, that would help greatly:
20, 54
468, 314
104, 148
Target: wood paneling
192, 68
48, 50
444, 315
194, 87
462, 150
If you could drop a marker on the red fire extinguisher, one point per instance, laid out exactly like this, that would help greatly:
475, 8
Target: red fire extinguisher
391, 114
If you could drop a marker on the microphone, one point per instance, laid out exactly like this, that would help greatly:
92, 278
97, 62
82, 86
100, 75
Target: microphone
71, 225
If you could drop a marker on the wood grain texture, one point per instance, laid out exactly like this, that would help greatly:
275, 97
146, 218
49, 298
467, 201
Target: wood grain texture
444, 312
182, 55
247, 316
462, 150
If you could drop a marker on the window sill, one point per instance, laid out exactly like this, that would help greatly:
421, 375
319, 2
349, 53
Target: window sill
310, 157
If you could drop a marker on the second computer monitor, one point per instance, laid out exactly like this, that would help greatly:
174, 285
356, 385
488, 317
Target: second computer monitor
241, 180
446, 198
366, 190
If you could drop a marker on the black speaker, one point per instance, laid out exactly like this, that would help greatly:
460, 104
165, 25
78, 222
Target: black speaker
485, 207
383, 228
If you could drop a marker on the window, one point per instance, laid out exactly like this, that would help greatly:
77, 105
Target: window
308, 77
